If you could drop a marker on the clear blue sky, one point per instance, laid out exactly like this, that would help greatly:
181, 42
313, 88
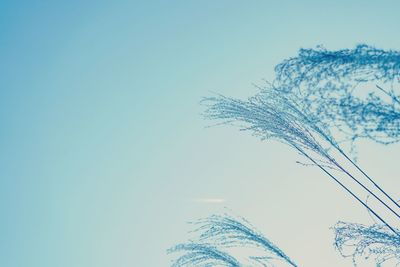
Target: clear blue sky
103, 153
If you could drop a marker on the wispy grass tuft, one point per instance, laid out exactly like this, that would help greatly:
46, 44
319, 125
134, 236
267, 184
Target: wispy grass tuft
202, 255
361, 64
361, 241
333, 86
218, 234
268, 115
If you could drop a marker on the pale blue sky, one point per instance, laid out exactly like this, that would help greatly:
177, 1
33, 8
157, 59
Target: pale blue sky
102, 146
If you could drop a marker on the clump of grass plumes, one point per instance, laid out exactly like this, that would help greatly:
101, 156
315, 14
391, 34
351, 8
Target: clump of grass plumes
358, 240
314, 97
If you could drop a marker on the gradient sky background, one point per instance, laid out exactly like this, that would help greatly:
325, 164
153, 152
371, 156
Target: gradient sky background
104, 154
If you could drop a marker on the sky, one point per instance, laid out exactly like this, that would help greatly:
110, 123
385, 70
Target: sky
104, 154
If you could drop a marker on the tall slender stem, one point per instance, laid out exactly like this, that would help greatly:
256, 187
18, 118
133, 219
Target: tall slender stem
347, 189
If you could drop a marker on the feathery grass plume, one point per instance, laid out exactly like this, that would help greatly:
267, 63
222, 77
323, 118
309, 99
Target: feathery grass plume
360, 241
218, 234
273, 115
228, 231
202, 255
328, 83
268, 115
363, 63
